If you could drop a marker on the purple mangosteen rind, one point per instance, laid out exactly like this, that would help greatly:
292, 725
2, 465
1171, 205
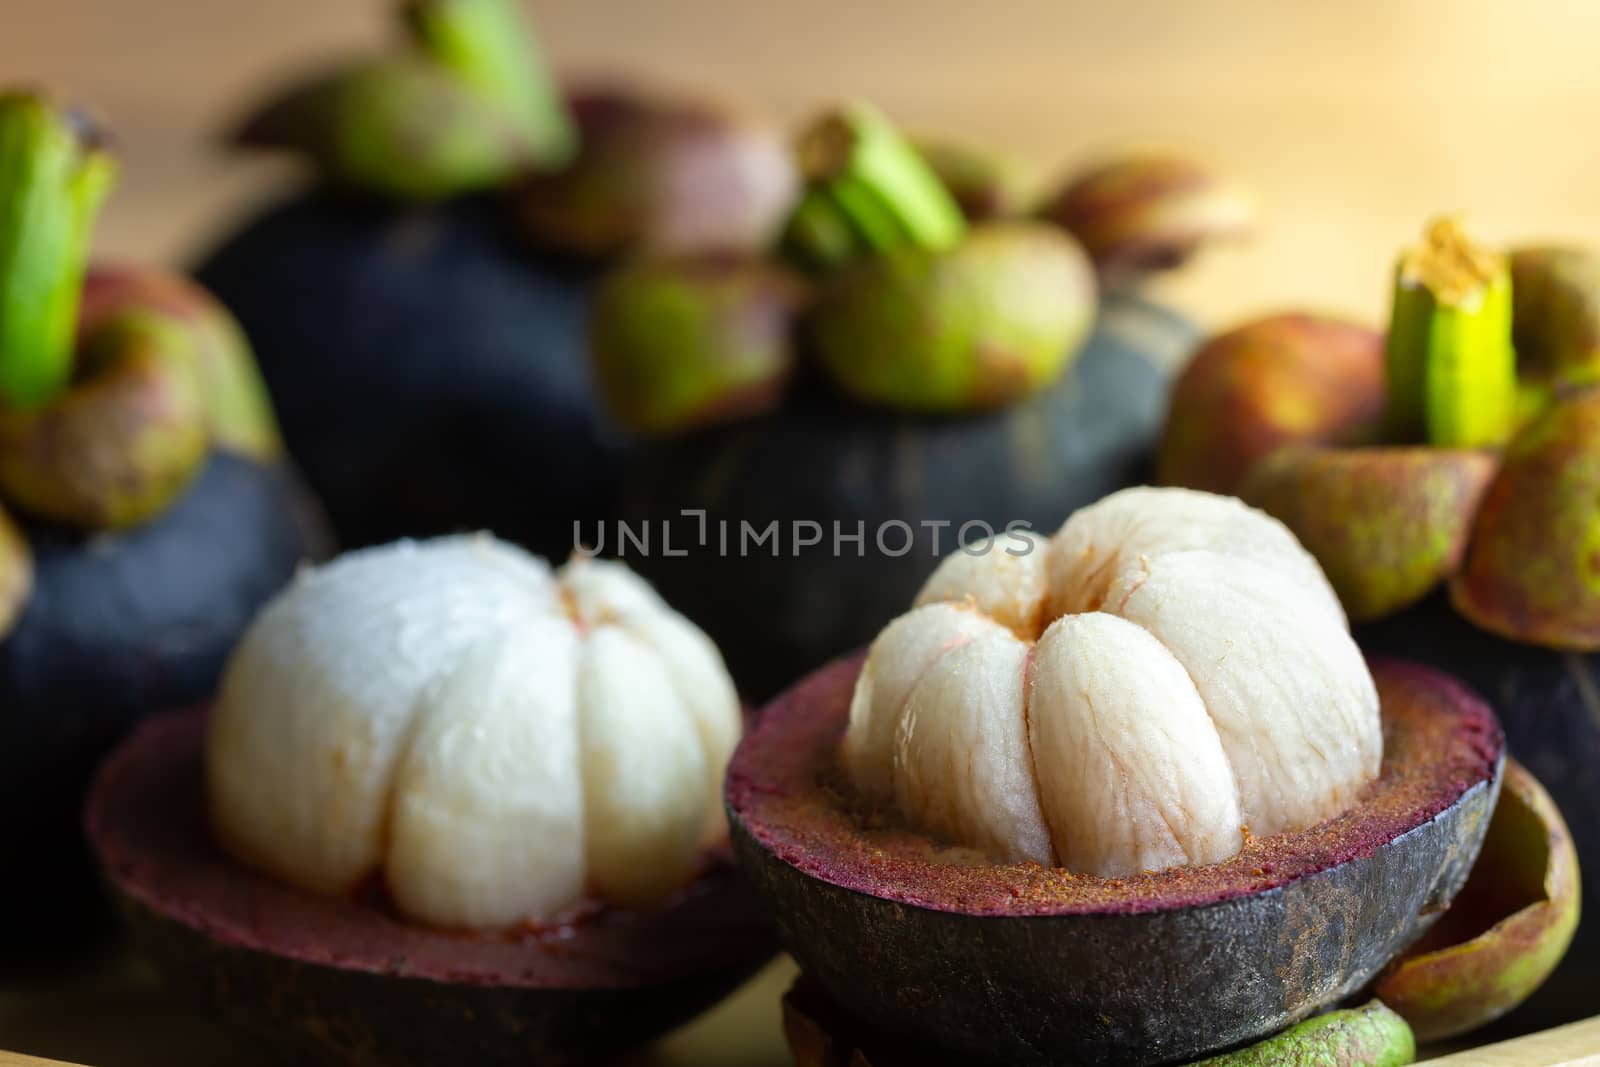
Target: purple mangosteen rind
1167, 967
335, 980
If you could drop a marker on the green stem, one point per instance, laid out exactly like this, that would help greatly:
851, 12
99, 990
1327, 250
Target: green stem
53, 178
492, 48
869, 183
1451, 365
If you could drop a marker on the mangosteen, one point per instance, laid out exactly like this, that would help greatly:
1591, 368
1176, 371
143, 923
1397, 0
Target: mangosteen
942, 381
154, 513
1446, 479
449, 804
1127, 795
419, 313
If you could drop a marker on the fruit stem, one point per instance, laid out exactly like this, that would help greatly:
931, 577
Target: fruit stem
869, 193
54, 175
1451, 365
493, 49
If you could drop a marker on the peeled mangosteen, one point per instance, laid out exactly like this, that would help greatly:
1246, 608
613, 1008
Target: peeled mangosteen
1126, 795
155, 513
946, 383
1455, 520
449, 804
419, 314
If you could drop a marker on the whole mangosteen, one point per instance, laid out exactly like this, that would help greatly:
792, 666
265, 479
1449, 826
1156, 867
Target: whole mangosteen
1131, 795
419, 313
153, 511
1446, 477
907, 382
449, 806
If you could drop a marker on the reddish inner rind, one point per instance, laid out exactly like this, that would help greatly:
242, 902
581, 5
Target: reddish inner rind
146, 822
785, 788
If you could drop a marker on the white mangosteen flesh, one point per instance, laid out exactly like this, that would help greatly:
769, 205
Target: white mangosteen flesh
499, 742
1167, 674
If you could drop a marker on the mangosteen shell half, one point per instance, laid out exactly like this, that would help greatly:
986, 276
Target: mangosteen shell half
341, 981
1029, 965
1548, 701
119, 625
429, 373
777, 609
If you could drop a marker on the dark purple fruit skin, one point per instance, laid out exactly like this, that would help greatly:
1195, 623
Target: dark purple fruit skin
430, 374
117, 627
1548, 702
1132, 989
823, 460
393, 995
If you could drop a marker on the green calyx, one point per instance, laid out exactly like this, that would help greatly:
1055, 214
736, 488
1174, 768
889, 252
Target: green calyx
492, 49
1451, 365
53, 177
975, 327
869, 193
469, 106
1369, 1036
692, 341
123, 442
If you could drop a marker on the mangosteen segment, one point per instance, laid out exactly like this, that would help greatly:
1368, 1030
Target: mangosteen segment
1027, 964
1198, 679
1507, 929
339, 980
491, 738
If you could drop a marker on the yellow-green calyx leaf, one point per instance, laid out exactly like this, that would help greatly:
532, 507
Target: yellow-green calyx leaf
978, 326
1369, 1036
869, 193
687, 342
1452, 369
492, 48
54, 175
120, 445
238, 410
467, 106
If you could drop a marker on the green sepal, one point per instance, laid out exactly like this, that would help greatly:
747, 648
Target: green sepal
492, 48
1369, 1036
401, 127
1451, 365
869, 193
53, 179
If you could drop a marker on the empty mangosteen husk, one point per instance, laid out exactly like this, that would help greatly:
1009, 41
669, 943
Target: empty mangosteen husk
344, 981
1546, 700
1164, 967
117, 626
1507, 929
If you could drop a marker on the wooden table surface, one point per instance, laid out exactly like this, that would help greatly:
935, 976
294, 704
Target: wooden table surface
1354, 120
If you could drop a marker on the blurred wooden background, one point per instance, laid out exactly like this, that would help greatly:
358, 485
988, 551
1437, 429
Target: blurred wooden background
1354, 120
